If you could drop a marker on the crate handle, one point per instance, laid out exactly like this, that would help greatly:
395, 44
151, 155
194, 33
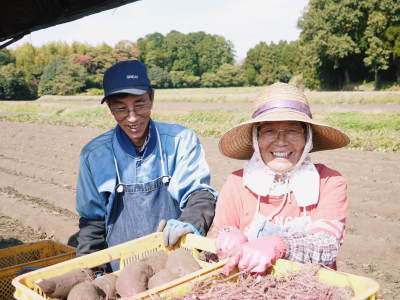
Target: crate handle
27, 269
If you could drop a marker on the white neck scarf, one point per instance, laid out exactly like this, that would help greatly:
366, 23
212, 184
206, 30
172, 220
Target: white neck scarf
303, 180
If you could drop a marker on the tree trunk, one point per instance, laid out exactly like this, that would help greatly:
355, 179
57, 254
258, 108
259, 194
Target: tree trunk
339, 81
346, 76
376, 79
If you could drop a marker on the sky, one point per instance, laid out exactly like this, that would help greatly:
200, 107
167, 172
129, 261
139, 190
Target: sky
243, 22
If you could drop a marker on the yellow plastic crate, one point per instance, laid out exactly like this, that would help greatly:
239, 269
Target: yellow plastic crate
26, 289
19, 259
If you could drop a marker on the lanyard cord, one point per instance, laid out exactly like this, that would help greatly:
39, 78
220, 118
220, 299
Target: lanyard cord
116, 169
160, 149
276, 211
164, 174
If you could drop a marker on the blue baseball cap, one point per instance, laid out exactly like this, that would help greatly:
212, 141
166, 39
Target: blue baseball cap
126, 77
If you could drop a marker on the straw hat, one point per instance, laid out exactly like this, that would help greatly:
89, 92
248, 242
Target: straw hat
279, 102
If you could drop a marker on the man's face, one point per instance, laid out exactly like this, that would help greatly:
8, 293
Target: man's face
132, 113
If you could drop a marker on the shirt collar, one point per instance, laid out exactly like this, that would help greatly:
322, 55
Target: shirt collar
127, 145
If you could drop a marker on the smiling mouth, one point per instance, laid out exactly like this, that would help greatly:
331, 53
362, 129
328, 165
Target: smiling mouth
133, 127
281, 154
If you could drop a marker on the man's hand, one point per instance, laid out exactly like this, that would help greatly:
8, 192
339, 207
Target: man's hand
175, 229
258, 255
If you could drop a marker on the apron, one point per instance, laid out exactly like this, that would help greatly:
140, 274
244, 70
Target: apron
139, 207
261, 225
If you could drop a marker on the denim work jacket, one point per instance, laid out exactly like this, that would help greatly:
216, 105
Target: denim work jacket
183, 155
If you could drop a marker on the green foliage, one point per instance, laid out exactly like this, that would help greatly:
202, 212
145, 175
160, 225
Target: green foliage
159, 78
212, 51
80, 48
181, 79
6, 57
269, 63
125, 50
209, 79
174, 60
151, 50
392, 35
62, 77
230, 75
342, 39
102, 59
177, 78
13, 84
191, 81
193, 53
341, 43
94, 92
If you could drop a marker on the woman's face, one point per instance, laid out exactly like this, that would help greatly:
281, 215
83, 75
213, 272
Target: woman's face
281, 144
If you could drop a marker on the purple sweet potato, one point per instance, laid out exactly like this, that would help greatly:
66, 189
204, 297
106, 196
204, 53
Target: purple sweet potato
133, 279
107, 284
86, 291
161, 277
181, 262
59, 286
157, 261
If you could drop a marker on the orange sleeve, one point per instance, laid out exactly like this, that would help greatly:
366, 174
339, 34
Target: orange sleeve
228, 208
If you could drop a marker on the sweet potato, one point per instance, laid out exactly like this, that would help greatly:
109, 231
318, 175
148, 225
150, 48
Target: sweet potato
86, 291
107, 284
59, 286
133, 279
157, 261
181, 262
161, 277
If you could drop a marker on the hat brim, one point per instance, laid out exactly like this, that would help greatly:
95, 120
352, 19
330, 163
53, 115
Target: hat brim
237, 141
136, 91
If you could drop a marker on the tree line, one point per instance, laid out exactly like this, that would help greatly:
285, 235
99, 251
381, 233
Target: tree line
341, 42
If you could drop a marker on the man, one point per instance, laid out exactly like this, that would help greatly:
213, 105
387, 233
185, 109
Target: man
140, 172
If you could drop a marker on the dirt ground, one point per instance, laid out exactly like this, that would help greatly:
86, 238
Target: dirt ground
39, 164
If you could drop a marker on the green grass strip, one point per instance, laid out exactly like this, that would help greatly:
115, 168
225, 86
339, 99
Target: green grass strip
367, 131
245, 94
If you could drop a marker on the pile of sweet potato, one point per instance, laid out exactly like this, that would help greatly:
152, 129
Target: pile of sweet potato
135, 278
78, 285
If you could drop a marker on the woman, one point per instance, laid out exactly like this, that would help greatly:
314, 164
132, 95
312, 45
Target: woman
280, 205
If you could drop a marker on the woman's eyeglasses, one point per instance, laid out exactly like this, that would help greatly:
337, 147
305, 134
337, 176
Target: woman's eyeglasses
291, 133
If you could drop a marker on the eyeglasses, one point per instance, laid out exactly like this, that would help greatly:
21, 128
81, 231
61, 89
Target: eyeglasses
138, 109
291, 133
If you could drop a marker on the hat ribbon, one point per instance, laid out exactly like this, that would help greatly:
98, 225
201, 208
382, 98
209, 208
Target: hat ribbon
283, 104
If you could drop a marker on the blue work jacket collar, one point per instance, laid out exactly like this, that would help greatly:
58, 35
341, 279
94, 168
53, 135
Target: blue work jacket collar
128, 147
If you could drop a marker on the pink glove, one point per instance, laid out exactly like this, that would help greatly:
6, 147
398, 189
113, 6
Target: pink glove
257, 256
228, 241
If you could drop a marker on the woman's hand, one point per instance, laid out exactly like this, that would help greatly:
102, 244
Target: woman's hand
228, 241
258, 255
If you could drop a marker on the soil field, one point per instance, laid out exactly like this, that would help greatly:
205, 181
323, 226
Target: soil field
39, 164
